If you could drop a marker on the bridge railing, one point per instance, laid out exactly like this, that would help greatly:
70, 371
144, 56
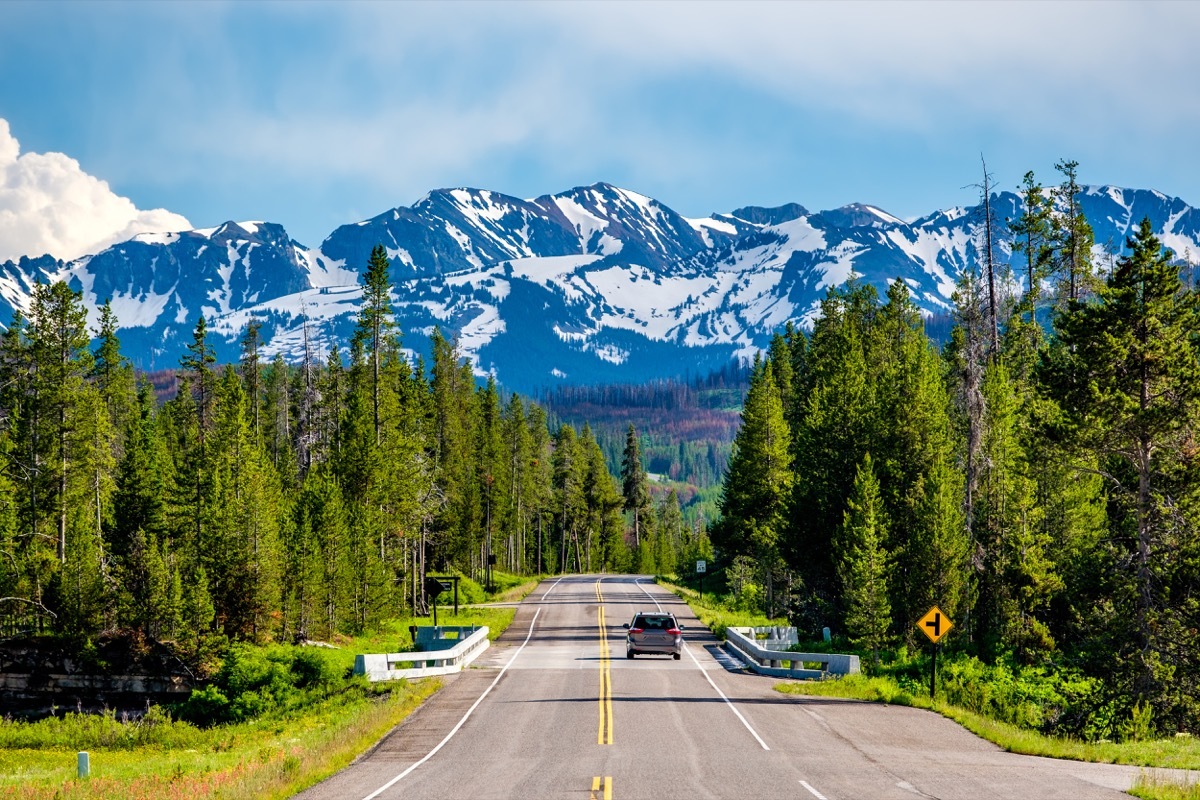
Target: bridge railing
743, 642
440, 654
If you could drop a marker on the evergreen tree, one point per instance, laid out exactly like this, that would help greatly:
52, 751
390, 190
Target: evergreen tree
1017, 577
863, 563
1032, 236
252, 373
375, 322
518, 455
1072, 238
669, 527
758, 485
541, 483
633, 484
59, 342
967, 359
569, 503
836, 424
1126, 380
113, 375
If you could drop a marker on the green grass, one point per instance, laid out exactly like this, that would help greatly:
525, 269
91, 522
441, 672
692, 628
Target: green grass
266, 758
273, 756
1151, 788
715, 614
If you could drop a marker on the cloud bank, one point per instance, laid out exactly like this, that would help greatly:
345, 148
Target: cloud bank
48, 204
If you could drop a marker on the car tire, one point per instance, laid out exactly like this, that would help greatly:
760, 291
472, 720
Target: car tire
629, 654
676, 656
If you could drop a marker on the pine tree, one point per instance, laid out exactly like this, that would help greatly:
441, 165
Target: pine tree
569, 504
1126, 380
1032, 236
1072, 238
491, 473
910, 426
518, 447
990, 267
633, 484
670, 533
758, 484
863, 563
937, 550
252, 373
113, 375
967, 359
836, 416
197, 366
541, 482
277, 422
375, 322
1017, 576
59, 341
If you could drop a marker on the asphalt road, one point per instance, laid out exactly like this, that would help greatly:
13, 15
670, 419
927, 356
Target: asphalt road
555, 710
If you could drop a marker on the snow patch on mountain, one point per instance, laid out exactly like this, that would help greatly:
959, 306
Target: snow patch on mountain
600, 282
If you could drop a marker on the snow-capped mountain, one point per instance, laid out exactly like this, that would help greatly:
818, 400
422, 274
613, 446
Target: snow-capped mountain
591, 285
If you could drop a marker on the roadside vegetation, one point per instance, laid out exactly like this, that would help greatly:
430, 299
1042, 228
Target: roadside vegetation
718, 611
1035, 478
268, 722
157, 756
1033, 711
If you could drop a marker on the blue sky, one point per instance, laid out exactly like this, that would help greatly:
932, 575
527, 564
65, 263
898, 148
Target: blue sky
313, 115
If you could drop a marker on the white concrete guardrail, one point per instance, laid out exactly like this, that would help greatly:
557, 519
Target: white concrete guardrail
440, 655
742, 642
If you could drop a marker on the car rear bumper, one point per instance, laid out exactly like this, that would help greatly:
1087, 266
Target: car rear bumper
654, 648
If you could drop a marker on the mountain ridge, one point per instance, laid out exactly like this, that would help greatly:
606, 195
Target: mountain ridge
594, 284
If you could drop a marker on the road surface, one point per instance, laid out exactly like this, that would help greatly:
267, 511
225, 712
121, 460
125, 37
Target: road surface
555, 710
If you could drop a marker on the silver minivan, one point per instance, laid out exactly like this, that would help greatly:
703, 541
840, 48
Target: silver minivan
654, 632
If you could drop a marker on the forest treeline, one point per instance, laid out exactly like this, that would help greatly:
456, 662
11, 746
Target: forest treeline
687, 425
268, 501
1039, 486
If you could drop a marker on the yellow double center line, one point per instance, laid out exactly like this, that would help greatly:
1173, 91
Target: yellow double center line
596, 792
605, 734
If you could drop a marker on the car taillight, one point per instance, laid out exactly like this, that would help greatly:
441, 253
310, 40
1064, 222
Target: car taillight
635, 630
675, 632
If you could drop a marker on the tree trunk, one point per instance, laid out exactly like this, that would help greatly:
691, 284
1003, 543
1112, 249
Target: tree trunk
989, 259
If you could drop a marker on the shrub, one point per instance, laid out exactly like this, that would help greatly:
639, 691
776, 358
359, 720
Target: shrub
255, 681
1059, 702
313, 671
207, 705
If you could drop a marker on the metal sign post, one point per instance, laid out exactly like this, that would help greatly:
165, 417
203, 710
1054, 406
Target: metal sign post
935, 625
434, 587
701, 566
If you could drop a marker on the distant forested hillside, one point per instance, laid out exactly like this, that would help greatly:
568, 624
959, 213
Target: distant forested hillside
686, 427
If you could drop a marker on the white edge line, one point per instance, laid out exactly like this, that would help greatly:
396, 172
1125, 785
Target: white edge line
553, 587
474, 705
813, 791
711, 683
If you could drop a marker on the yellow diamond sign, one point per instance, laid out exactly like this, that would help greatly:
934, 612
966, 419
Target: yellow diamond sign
935, 624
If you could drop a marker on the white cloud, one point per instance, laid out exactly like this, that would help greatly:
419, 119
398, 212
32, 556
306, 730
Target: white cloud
48, 204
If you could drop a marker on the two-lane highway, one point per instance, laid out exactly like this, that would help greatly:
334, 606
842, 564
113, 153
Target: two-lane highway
556, 710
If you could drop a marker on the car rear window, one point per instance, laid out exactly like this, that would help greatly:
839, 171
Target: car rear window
652, 623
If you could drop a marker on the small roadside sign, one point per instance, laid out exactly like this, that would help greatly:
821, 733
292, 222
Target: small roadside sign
935, 624
701, 566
